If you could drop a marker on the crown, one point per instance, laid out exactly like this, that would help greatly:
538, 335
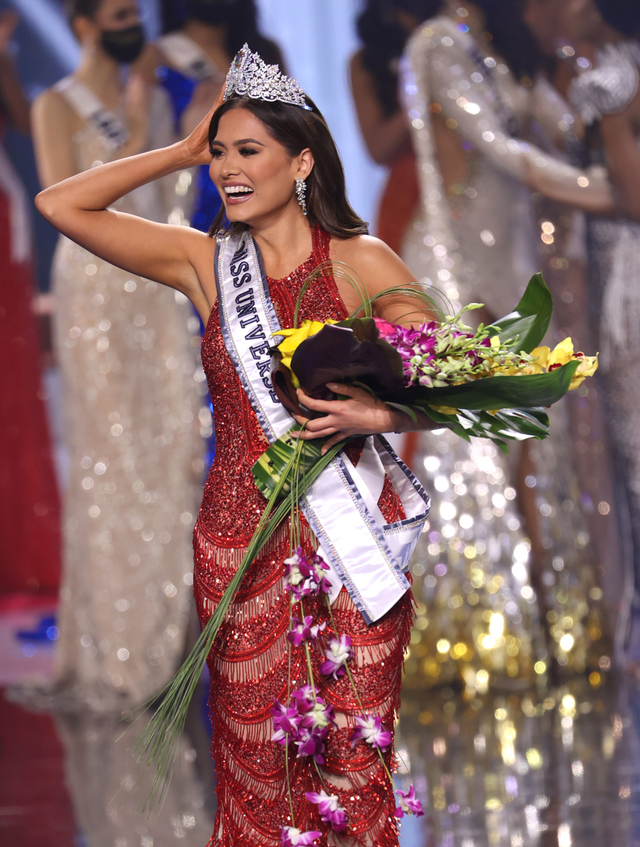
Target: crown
249, 76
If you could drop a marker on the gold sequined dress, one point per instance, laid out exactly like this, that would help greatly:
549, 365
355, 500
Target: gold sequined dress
249, 663
128, 367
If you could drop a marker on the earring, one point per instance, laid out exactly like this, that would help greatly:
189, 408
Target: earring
301, 191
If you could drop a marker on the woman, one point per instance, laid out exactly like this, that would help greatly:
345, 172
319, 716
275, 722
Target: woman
475, 235
190, 61
383, 28
130, 396
30, 513
608, 98
271, 162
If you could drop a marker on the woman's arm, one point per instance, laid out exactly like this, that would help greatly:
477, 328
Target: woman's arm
623, 156
384, 136
13, 103
472, 112
174, 255
362, 414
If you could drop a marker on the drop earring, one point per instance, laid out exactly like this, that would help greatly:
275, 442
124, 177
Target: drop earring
301, 192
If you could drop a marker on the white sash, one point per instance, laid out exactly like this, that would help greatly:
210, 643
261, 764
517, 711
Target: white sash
93, 111
369, 557
185, 55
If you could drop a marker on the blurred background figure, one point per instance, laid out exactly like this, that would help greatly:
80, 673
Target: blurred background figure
606, 96
129, 394
30, 513
474, 236
562, 255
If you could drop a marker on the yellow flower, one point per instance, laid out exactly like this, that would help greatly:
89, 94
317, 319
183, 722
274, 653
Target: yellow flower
587, 367
561, 355
293, 338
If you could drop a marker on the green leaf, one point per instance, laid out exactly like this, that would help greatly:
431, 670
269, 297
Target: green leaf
497, 392
526, 326
406, 410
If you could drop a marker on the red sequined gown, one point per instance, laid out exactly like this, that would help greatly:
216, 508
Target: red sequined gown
249, 663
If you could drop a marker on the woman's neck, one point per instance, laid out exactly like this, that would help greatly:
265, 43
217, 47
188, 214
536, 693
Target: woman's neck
101, 74
284, 243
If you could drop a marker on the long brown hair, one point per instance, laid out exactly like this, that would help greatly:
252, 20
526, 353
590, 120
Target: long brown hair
296, 129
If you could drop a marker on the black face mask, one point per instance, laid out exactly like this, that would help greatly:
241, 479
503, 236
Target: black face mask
212, 12
123, 45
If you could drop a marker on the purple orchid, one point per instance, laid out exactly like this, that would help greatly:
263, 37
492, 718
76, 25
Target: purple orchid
370, 729
305, 697
285, 721
293, 570
300, 630
330, 810
312, 742
319, 715
292, 837
408, 804
337, 656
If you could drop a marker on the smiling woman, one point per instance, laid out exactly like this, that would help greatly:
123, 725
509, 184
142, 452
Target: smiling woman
245, 282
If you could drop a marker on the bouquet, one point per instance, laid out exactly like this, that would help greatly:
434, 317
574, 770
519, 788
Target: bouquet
493, 382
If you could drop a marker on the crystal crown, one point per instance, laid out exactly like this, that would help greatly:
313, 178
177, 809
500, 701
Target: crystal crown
250, 76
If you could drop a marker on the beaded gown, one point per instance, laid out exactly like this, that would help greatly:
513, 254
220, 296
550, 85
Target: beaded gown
128, 373
250, 663
476, 241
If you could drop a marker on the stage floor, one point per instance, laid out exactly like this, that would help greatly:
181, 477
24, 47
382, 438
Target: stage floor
543, 768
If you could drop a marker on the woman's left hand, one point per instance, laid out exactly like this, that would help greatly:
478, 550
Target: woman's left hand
359, 414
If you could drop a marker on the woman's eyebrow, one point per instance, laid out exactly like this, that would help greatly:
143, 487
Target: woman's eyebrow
248, 141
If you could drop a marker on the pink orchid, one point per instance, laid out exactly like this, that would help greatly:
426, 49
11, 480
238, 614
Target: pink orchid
329, 809
305, 697
292, 837
304, 630
312, 742
300, 630
408, 804
370, 729
319, 715
337, 656
384, 327
316, 629
285, 721
294, 566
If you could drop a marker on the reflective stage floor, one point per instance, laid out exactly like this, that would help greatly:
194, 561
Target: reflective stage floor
552, 769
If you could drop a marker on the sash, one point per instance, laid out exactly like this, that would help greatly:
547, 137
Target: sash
187, 57
366, 555
93, 111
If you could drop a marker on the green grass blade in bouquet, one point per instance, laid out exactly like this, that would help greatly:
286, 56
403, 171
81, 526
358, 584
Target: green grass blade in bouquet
157, 745
275, 462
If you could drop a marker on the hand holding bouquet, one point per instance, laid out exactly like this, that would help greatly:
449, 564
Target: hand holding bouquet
490, 383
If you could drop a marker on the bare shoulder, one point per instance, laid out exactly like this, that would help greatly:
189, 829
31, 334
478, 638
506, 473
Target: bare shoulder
373, 260
51, 105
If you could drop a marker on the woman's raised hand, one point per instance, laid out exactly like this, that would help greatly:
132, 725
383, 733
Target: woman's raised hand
197, 143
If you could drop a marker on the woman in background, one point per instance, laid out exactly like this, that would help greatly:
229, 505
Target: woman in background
29, 511
475, 237
608, 99
129, 391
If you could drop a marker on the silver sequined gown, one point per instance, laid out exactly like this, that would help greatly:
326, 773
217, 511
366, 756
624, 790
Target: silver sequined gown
127, 353
614, 300
478, 244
